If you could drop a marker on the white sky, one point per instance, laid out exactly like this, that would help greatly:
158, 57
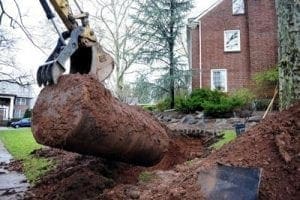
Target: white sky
28, 56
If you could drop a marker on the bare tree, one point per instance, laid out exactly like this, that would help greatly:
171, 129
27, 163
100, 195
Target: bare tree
9, 70
114, 27
17, 22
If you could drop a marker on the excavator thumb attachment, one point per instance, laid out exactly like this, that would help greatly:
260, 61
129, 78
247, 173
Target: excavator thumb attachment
89, 58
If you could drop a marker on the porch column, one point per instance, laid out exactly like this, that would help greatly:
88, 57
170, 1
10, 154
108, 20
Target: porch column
11, 108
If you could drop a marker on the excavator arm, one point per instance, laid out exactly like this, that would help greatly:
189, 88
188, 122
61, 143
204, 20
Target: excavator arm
78, 43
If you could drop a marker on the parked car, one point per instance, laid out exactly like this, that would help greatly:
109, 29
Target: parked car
26, 122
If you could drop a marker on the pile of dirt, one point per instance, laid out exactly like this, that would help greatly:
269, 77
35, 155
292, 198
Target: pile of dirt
75, 177
85, 177
273, 146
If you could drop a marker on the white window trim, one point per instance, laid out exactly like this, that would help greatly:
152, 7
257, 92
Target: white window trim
238, 49
20, 101
212, 80
238, 13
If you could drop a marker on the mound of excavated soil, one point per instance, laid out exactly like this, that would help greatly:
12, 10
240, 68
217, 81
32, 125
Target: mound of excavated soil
85, 177
273, 145
75, 177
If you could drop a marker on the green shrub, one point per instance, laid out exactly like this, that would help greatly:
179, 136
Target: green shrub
225, 105
242, 97
195, 101
163, 104
221, 108
207, 94
27, 113
149, 107
188, 105
269, 77
212, 102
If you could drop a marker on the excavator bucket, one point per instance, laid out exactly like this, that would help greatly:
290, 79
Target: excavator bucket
84, 60
86, 54
92, 60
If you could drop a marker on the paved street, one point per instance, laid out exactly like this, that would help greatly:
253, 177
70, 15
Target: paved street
12, 184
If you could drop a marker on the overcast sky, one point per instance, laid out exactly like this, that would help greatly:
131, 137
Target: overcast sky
30, 57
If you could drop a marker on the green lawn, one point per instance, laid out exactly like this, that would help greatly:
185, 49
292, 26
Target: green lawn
20, 143
229, 135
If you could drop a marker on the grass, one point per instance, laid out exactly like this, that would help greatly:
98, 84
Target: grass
146, 176
229, 135
20, 143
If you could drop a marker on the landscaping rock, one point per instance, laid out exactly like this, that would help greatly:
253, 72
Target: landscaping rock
255, 119
188, 119
200, 115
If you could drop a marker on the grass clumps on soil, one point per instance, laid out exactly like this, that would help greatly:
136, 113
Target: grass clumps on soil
228, 136
146, 176
20, 143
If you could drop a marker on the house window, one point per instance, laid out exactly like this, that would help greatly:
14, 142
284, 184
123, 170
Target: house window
21, 101
238, 7
219, 79
232, 41
18, 114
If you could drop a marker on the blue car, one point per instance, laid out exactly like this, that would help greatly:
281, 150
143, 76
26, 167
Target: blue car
26, 122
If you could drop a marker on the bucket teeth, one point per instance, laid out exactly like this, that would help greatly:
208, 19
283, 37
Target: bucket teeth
39, 76
49, 73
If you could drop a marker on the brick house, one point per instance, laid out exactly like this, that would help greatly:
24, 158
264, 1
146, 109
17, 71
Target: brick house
14, 100
231, 41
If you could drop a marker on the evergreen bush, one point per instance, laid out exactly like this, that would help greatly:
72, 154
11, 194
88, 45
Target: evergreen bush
27, 113
214, 103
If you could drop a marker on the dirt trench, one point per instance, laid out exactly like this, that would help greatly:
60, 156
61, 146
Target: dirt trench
87, 177
273, 145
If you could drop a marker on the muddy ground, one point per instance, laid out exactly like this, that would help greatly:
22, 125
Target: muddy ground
273, 145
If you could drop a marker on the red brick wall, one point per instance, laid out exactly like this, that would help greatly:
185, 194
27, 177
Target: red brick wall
262, 34
213, 26
258, 46
194, 45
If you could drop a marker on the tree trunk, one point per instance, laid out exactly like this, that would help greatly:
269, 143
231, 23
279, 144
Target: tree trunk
288, 13
171, 55
80, 115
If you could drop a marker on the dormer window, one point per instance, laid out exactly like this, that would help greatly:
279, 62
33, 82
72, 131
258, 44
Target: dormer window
238, 7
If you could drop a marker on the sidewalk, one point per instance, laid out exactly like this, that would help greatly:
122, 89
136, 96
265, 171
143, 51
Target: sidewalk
3, 128
12, 184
